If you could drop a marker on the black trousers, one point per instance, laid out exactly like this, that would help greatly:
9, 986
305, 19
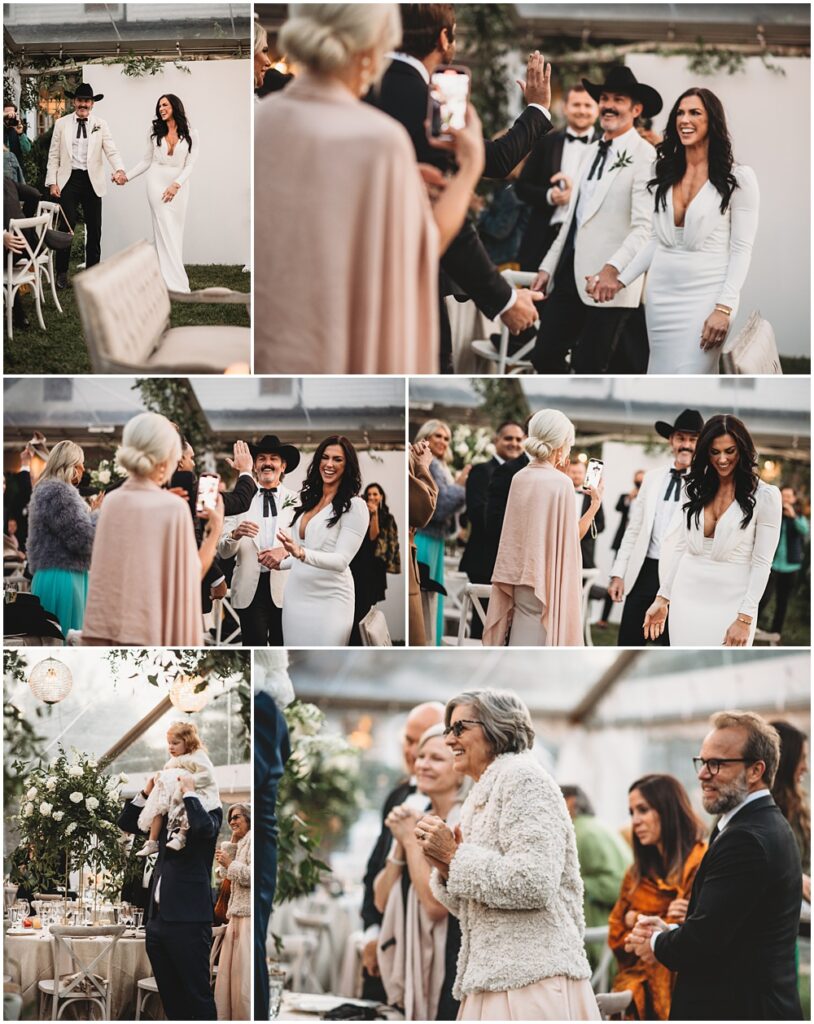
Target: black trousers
601, 340
261, 624
179, 955
77, 192
642, 595
782, 585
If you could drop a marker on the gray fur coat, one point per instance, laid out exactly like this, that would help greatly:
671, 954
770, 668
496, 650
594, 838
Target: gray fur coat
514, 883
61, 528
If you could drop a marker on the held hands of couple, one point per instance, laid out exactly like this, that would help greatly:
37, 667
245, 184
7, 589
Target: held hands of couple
119, 178
605, 285
271, 557
655, 619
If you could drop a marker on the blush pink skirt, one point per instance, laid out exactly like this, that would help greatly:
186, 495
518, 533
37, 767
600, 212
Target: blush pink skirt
550, 999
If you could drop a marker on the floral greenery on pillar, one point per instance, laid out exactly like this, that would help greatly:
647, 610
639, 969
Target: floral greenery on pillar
21, 741
67, 821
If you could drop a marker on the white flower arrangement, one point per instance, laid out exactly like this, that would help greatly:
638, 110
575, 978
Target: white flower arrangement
76, 797
471, 445
74, 771
107, 472
28, 810
91, 803
45, 809
32, 793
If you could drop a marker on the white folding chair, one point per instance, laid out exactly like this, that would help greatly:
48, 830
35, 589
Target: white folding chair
47, 269
219, 606
28, 271
601, 976
473, 595
83, 983
612, 1004
145, 988
504, 363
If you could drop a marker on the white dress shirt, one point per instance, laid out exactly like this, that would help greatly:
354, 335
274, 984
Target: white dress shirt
573, 155
79, 146
267, 537
665, 510
725, 819
587, 188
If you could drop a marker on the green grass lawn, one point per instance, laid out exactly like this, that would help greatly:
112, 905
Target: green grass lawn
796, 629
61, 349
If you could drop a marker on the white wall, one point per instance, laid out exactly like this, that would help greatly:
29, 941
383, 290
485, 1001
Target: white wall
388, 469
769, 118
217, 98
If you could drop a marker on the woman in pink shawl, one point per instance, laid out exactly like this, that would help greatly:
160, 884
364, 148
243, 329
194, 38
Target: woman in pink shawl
146, 569
347, 242
537, 581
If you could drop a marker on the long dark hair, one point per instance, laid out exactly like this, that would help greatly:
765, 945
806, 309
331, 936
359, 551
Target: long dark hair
787, 792
671, 157
680, 828
703, 480
385, 515
349, 485
160, 128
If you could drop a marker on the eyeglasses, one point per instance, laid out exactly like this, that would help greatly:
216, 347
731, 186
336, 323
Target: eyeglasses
713, 764
460, 726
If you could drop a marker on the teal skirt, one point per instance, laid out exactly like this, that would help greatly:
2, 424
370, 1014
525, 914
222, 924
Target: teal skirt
64, 593
431, 551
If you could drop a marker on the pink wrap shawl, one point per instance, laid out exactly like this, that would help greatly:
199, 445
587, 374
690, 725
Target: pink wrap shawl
145, 574
539, 548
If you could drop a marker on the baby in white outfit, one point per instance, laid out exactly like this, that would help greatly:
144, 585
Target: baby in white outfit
187, 757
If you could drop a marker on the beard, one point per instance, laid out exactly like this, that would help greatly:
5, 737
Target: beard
728, 796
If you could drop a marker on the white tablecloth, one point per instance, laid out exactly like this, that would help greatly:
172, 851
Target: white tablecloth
305, 1006
28, 959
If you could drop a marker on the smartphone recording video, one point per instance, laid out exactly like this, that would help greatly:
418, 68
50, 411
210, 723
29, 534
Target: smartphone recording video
449, 96
207, 491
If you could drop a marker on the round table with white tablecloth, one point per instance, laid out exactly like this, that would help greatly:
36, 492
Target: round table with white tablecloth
28, 959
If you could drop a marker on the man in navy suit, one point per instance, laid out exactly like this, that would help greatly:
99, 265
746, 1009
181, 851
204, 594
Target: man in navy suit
735, 952
179, 907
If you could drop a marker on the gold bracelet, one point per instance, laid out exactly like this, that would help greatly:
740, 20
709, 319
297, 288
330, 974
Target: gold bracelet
746, 622
724, 309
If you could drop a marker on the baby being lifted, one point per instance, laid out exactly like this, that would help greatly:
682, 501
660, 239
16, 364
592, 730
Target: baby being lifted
187, 756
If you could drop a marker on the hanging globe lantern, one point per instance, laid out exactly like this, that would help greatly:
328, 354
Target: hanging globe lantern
50, 681
184, 697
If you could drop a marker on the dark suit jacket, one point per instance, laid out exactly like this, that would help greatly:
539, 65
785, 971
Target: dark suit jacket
477, 562
186, 893
403, 94
623, 506
735, 952
588, 542
370, 915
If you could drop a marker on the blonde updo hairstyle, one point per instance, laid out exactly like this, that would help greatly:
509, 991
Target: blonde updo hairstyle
325, 38
149, 440
550, 433
62, 460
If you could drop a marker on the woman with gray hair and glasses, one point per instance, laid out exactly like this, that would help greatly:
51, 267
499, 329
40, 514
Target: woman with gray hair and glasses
233, 990
509, 872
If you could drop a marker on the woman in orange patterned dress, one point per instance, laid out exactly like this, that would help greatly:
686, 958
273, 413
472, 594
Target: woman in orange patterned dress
667, 851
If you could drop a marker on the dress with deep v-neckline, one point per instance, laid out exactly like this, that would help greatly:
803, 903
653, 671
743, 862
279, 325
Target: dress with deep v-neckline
687, 207
319, 594
692, 268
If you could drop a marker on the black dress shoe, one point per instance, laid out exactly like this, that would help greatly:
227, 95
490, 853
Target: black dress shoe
18, 317
62, 281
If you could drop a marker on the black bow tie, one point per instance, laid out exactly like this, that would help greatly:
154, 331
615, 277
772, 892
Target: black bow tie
601, 156
576, 138
81, 129
674, 484
269, 504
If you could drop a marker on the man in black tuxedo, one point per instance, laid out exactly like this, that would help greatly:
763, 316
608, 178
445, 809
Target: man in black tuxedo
478, 561
496, 499
548, 176
179, 907
421, 718
576, 471
428, 41
735, 952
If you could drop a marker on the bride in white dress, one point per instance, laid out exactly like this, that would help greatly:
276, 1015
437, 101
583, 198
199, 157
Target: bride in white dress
717, 556
704, 226
327, 530
172, 149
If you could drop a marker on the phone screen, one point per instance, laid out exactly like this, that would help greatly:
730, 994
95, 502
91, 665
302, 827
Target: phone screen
449, 95
593, 474
207, 491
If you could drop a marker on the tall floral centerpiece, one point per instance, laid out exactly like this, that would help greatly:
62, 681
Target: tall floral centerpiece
67, 822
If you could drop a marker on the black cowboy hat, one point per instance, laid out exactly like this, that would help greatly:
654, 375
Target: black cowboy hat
84, 92
621, 79
690, 422
271, 445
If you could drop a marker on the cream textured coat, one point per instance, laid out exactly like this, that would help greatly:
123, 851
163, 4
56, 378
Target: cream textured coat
514, 882
615, 225
100, 143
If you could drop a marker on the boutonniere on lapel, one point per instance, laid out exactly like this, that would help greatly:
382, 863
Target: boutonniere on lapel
96, 128
289, 502
623, 160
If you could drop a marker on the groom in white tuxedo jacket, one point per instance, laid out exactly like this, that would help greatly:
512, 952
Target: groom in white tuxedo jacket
257, 588
607, 223
635, 572
76, 174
